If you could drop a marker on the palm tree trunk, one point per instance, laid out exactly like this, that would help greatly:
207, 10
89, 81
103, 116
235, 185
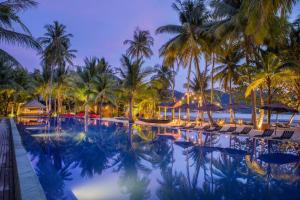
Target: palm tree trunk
100, 107
173, 82
230, 102
50, 92
212, 80
188, 88
253, 94
269, 100
86, 113
261, 111
130, 109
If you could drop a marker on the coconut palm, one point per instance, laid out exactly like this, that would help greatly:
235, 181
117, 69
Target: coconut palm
164, 75
132, 77
23, 86
141, 44
61, 87
42, 78
9, 10
271, 72
229, 57
82, 83
105, 86
56, 42
239, 19
185, 45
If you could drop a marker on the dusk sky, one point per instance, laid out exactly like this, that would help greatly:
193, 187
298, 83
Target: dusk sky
100, 27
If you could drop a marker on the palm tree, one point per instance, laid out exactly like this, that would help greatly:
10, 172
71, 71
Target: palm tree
105, 86
57, 52
42, 78
185, 45
270, 73
61, 87
140, 46
132, 79
9, 10
164, 75
83, 83
228, 56
251, 20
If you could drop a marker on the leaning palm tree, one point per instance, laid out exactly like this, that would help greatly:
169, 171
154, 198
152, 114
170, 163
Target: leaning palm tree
251, 20
272, 72
229, 57
141, 44
9, 10
56, 52
185, 45
132, 77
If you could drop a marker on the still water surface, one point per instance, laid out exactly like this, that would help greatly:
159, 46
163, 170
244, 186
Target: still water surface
114, 161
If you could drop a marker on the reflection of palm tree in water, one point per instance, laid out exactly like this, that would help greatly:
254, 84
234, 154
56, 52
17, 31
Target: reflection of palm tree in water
52, 179
129, 160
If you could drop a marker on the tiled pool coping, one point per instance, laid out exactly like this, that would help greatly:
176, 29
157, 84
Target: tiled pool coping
29, 185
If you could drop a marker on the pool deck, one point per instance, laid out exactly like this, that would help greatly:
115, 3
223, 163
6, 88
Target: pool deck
17, 177
7, 175
279, 131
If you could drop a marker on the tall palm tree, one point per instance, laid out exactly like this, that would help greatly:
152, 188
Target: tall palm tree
249, 20
61, 87
271, 72
57, 43
185, 45
141, 44
9, 10
83, 83
229, 57
132, 78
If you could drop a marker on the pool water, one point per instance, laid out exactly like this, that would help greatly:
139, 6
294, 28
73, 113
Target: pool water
112, 161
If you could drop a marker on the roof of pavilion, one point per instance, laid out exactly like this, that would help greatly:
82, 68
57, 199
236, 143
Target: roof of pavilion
34, 104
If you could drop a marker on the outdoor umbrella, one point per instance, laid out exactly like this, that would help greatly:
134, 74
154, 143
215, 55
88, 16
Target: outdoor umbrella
278, 108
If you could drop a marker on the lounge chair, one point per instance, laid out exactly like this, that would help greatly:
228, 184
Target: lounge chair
231, 129
266, 133
245, 131
212, 129
285, 135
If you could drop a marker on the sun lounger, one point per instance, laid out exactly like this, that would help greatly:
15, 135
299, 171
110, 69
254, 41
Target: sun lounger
245, 131
285, 135
266, 133
212, 129
231, 129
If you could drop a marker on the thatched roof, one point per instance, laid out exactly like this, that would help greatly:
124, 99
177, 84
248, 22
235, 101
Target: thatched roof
34, 104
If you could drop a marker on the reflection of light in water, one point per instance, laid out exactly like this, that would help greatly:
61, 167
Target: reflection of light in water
54, 134
106, 188
80, 137
105, 123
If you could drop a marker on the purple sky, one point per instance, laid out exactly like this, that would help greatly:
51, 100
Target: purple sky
100, 27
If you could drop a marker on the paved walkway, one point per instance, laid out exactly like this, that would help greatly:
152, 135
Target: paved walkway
7, 182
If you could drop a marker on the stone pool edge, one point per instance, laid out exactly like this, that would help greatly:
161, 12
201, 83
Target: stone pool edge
29, 185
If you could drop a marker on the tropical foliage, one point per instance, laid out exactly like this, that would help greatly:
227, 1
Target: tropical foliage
250, 49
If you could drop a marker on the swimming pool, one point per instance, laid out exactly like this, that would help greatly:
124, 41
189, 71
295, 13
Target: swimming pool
115, 161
